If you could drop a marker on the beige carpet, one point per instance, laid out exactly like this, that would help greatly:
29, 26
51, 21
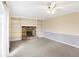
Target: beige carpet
42, 47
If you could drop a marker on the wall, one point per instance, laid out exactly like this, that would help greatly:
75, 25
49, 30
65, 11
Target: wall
63, 28
15, 29
39, 28
17, 23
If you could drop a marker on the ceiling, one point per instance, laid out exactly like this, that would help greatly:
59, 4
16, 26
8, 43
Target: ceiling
37, 9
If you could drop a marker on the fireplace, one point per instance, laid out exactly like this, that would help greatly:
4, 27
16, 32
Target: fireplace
28, 31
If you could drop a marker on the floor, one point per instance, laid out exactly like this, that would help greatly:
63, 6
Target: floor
42, 47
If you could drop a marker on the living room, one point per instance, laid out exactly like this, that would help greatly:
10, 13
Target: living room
40, 28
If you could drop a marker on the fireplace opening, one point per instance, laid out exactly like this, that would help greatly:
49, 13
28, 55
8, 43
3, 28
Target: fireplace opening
29, 33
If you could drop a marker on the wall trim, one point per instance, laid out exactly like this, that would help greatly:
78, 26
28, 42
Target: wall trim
62, 33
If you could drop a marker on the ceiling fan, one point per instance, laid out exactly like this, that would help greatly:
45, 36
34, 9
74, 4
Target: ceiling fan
52, 6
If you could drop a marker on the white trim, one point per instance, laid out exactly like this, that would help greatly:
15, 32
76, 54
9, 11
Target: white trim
75, 34
5, 31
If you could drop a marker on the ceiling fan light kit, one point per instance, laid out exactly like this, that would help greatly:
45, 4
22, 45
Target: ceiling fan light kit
51, 8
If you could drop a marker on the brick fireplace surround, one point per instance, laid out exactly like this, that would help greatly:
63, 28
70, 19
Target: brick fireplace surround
28, 31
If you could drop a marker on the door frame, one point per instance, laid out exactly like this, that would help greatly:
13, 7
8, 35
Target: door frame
4, 30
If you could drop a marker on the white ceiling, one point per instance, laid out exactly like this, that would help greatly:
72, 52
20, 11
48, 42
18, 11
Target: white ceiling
37, 9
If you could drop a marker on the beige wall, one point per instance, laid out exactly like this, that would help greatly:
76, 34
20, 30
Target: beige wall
16, 27
39, 28
66, 24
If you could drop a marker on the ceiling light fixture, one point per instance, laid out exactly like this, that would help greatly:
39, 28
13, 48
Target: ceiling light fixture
51, 8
